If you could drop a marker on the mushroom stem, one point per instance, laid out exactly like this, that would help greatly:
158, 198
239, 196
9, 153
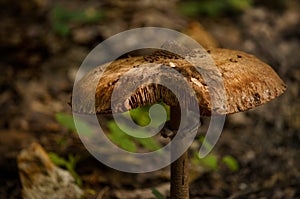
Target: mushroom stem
179, 178
179, 168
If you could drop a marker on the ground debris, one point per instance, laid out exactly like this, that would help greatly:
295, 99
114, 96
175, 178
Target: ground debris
41, 179
142, 193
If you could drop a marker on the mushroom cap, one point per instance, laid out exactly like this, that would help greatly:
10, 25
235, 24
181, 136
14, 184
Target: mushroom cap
248, 83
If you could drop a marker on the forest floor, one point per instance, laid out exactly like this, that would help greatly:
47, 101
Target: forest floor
39, 63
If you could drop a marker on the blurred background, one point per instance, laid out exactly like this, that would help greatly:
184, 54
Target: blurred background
43, 43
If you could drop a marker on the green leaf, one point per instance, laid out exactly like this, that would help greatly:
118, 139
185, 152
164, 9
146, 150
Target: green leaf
149, 143
61, 28
89, 15
214, 8
239, 5
231, 163
67, 121
157, 194
211, 8
120, 138
167, 110
62, 18
69, 164
190, 8
127, 142
128, 145
196, 159
206, 144
210, 161
141, 115
57, 160
83, 128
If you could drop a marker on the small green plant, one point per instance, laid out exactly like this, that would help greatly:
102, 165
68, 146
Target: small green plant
120, 138
211, 161
214, 8
67, 121
116, 135
141, 117
62, 18
157, 194
231, 163
69, 164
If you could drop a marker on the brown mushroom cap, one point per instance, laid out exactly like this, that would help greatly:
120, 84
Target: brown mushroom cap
248, 83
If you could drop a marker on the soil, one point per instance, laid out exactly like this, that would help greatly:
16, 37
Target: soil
38, 67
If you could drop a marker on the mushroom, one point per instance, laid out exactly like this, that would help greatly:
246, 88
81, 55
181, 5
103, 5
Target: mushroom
248, 83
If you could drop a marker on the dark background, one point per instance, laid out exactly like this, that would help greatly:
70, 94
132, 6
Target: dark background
42, 49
